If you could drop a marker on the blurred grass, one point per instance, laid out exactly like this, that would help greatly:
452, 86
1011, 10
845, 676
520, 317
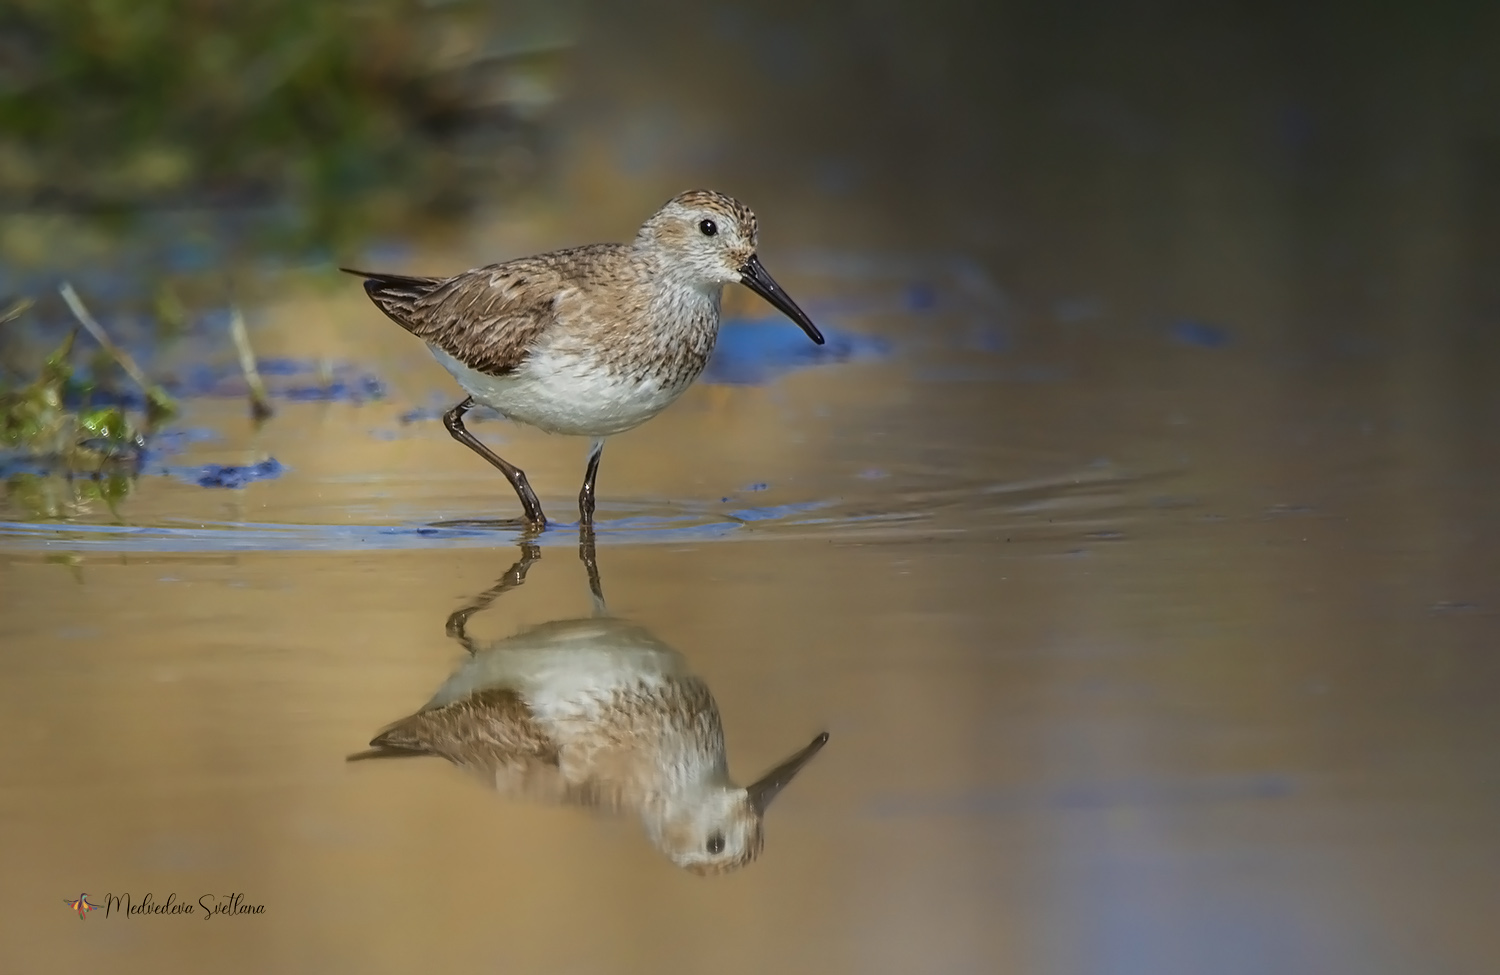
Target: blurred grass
60, 451
37, 423
354, 116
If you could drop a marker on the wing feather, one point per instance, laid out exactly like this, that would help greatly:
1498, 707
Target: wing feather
487, 318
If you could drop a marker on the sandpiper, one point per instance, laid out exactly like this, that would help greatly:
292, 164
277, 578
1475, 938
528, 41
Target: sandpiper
590, 341
595, 712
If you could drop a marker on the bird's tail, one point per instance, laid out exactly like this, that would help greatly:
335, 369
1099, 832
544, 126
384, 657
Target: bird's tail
396, 294
386, 751
392, 743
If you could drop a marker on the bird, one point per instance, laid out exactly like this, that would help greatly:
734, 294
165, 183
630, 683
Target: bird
596, 712
588, 341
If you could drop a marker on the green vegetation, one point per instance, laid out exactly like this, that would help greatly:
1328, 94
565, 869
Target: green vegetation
36, 422
108, 107
38, 426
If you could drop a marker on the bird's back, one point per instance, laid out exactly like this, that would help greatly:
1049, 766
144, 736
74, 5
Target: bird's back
490, 318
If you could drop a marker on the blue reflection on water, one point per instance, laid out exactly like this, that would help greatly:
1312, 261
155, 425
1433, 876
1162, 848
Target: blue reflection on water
753, 351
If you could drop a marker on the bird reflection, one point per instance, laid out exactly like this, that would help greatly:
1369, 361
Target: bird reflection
595, 712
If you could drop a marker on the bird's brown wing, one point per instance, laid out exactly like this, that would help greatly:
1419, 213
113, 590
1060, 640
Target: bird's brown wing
489, 317
486, 318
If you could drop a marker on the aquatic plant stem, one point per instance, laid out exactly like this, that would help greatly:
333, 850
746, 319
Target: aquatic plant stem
260, 402
158, 402
15, 311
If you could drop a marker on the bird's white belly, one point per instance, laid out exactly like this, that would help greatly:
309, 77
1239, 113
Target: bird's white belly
563, 393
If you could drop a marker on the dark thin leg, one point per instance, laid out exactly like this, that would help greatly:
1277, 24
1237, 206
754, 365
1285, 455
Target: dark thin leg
458, 621
454, 421
586, 496
591, 566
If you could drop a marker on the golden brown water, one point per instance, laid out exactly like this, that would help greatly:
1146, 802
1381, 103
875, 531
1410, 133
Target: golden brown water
1144, 577
1120, 675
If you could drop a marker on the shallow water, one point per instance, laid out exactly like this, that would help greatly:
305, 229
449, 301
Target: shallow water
1121, 674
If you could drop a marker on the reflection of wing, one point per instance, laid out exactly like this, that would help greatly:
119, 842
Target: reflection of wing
494, 734
493, 726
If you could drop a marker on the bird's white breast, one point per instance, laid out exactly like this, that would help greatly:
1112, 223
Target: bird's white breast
560, 391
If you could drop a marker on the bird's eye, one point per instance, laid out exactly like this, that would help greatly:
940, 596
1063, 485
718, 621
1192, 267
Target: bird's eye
716, 841
709, 228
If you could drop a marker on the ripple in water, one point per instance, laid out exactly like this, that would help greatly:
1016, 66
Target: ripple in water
1090, 504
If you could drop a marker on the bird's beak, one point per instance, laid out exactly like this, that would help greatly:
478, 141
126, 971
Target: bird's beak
753, 276
766, 788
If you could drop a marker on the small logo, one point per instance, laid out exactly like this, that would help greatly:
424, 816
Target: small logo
81, 905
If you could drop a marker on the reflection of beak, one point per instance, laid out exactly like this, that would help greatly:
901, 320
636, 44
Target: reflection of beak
753, 276
765, 789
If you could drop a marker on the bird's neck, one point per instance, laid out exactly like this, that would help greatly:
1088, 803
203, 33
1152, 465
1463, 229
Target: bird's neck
676, 335
685, 300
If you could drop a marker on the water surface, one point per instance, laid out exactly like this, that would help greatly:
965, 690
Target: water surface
1120, 674
1136, 547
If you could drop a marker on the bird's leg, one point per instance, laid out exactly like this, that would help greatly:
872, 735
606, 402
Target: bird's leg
458, 621
586, 528
454, 421
591, 566
586, 496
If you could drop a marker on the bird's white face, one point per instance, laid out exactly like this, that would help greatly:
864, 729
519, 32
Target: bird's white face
705, 239
718, 833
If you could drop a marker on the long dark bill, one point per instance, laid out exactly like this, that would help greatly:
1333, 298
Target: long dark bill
754, 276
768, 785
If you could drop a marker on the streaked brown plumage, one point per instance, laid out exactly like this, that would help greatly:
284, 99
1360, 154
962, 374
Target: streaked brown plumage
489, 726
596, 712
589, 341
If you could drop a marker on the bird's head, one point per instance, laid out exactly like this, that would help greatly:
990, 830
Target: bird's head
710, 239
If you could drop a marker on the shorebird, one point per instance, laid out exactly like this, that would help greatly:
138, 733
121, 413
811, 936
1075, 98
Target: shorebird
590, 341
595, 712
